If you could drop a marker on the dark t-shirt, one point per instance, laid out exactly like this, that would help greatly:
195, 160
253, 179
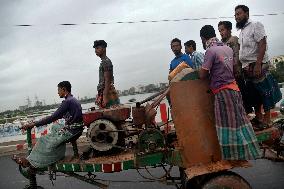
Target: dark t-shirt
70, 109
105, 66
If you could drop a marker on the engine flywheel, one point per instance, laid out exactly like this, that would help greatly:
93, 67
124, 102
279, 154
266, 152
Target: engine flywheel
102, 135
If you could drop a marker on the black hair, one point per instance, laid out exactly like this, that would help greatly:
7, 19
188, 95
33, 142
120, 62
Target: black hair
243, 7
65, 84
176, 40
207, 32
101, 43
226, 24
190, 43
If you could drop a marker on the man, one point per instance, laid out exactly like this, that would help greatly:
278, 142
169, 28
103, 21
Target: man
107, 95
255, 62
179, 62
236, 137
246, 87
197, 58
51, 147
179, 56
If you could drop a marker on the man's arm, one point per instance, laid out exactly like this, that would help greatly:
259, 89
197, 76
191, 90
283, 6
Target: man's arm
58, 114
203, 73
260, 38
207, 65
237, 64
107, 76
261, 50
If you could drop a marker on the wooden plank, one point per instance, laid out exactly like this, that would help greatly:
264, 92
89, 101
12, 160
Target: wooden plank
193, 116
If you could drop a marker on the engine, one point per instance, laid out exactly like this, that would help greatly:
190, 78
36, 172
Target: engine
117, 128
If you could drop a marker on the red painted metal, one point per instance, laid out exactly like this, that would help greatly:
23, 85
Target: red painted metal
117, 167
119, 113
107, 168
163, 110
90, 117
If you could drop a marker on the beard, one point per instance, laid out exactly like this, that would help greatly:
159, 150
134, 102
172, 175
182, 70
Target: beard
177, 53
241, 23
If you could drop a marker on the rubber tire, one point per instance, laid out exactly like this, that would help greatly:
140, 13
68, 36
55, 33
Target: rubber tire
226, 180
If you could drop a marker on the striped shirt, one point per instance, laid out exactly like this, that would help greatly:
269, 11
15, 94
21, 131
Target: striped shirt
197, 59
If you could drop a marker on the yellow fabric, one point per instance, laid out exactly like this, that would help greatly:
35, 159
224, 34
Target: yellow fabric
177, 70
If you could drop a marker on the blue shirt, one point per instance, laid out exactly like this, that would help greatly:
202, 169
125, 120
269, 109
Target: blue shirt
178, 59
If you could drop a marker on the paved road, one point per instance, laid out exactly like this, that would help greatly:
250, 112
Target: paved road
264, 174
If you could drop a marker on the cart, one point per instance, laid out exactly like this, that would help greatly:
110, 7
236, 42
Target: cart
193, 148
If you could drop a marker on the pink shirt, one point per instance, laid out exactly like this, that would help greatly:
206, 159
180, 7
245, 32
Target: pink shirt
218, 60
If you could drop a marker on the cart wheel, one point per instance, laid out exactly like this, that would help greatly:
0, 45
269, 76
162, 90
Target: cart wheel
227, 180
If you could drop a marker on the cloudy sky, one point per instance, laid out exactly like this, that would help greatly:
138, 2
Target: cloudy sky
34, 59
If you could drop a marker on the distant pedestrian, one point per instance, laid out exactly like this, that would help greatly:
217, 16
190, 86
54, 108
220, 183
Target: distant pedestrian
197, 58
255, 63
234, 130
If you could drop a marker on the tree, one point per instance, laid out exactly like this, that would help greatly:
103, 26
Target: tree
278, 73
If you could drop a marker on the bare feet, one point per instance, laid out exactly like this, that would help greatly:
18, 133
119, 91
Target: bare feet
21, 161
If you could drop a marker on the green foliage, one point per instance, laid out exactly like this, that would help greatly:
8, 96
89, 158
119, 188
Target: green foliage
278, 73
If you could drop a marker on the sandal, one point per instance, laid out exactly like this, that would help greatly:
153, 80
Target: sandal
21, 161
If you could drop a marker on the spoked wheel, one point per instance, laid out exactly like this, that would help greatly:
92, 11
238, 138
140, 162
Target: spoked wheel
226, 180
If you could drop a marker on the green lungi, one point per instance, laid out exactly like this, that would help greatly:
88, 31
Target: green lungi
50, 148
235, 133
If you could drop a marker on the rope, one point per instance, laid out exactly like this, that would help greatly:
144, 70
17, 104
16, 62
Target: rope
157, 21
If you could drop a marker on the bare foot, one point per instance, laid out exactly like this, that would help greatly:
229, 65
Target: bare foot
21, 161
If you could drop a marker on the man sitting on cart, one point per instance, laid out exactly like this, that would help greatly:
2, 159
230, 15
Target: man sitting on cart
236, 136
51, 147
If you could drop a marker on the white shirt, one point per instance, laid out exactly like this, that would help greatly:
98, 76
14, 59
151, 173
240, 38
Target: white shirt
249, 38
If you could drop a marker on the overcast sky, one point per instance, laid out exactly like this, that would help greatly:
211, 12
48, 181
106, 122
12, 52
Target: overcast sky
33, 60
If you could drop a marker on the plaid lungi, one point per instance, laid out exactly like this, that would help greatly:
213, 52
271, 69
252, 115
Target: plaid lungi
50, 148
235, 133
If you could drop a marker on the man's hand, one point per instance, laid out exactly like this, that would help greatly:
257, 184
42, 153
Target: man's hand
237, 71
29, 125
257, 70
104, 102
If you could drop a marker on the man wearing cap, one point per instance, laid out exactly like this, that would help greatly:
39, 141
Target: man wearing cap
107, 95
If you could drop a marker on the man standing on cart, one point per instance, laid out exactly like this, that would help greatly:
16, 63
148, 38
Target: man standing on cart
255, 63
107, 95
236, 136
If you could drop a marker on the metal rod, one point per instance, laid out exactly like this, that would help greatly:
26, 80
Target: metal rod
29, 140
150, 98
90, 181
